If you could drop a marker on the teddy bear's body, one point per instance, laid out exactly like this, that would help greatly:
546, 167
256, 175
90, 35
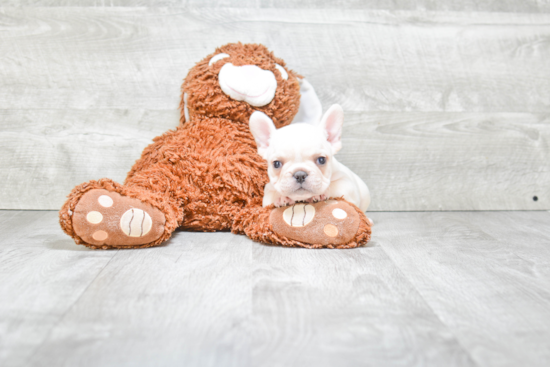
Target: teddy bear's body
206, 175
201, 167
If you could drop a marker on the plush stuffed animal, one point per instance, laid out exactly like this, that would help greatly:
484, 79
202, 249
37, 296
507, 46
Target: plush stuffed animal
206, 175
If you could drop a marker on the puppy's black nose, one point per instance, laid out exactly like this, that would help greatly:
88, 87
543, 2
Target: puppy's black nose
300, 176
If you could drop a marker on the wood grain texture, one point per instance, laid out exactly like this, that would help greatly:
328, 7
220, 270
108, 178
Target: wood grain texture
186, 303
450, 161
445, 111
365, 60
431, 289
446, 5
45, 153
410, 160
42, 275
217, 299
486, 276
343, 308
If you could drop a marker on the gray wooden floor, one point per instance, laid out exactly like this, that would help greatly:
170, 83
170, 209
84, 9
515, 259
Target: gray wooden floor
431, 289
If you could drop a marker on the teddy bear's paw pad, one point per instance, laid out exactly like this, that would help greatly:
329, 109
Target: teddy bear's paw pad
327, 223
102, 218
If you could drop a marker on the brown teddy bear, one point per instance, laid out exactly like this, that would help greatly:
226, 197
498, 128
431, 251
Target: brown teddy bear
206, 175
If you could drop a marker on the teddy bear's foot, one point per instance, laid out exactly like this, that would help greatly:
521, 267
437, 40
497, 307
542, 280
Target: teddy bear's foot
332, 223
105, 219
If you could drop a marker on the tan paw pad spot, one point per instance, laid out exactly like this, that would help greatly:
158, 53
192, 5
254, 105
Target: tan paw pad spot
105, 201
94, 217
100, 235
339, 213
331, 230
135, 223
299, 215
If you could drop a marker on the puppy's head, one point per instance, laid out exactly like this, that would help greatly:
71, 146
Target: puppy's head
299, 156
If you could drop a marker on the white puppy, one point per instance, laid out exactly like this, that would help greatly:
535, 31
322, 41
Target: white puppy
301, 162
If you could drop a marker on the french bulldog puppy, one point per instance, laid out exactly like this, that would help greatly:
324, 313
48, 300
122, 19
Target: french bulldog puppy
301, 162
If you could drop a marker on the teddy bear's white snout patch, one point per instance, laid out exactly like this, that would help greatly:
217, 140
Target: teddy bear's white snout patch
248, 83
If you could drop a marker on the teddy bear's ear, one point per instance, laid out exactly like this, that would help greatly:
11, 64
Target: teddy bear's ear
310, 110
261, 127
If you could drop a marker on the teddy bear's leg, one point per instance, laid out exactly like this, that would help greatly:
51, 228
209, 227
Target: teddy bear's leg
334, 223
105, 214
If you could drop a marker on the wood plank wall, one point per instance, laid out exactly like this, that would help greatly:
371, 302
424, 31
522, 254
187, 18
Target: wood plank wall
447, 103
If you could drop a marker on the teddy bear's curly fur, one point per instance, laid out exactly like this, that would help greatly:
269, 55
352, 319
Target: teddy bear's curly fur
206, 174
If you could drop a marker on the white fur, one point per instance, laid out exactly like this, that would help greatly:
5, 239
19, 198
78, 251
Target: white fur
297, 147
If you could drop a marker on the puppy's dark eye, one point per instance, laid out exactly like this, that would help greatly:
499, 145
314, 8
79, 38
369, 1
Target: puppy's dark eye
321, 160
277, 164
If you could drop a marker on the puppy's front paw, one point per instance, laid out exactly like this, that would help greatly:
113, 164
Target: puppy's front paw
316, 198
283, 201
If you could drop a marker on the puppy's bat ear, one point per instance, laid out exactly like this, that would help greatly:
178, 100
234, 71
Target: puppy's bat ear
332, 122
261, 127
